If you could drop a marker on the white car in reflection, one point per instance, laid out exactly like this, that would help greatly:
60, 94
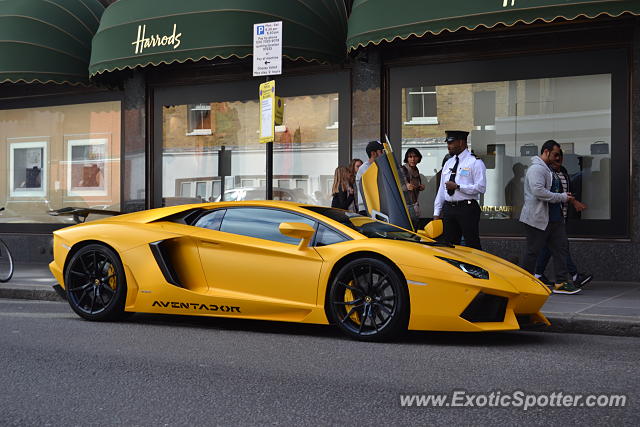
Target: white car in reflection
260, 193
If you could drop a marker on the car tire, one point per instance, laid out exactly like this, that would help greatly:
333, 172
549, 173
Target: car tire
96, 284
379, 297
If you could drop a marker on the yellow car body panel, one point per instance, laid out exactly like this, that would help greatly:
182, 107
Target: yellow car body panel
231, 275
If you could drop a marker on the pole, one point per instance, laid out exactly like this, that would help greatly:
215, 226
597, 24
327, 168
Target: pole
270, 164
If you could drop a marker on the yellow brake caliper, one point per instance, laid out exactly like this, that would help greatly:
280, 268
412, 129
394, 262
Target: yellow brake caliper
348, 296
111, 273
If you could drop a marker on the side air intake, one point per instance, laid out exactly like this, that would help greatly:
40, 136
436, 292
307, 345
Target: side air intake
162, 258
486, 308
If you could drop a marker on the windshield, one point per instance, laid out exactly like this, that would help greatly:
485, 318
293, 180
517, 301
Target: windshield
367, 226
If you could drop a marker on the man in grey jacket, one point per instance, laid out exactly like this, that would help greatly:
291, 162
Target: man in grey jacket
542, 216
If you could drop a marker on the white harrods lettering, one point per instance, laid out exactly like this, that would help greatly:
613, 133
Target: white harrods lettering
144, 42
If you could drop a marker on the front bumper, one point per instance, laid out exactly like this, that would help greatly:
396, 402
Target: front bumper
474, 305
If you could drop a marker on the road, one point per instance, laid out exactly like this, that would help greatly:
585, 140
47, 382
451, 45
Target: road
160, 370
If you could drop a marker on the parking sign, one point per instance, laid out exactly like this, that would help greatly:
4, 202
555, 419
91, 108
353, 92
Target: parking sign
267, 49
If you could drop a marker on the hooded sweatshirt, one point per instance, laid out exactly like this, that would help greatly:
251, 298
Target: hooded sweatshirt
538, 195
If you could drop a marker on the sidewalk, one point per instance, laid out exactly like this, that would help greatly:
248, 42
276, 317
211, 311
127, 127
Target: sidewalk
604, 308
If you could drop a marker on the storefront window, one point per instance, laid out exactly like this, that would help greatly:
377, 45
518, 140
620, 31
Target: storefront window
210, 151
305, 152
55, 157
209, 140
509, 121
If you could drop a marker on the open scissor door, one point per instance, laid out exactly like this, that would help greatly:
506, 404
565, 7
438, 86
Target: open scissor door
383, 195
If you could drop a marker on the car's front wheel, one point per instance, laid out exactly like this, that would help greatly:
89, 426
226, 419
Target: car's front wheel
95, 283
368, 300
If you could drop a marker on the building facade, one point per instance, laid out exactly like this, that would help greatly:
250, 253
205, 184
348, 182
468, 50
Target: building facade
168, 110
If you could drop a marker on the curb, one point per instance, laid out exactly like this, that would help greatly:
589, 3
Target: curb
563, 323
594, 324
29, 292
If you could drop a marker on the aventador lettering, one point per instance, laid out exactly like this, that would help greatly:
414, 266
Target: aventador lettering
155, 40
195, 306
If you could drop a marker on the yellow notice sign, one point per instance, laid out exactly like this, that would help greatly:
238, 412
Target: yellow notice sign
267, 113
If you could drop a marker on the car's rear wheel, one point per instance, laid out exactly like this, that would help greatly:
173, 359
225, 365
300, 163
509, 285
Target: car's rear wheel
369, 301
95, 283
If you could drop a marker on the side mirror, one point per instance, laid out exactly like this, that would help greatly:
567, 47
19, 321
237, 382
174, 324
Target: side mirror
298, 230
432, 230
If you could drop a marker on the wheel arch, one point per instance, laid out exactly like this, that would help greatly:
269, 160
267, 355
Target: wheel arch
79, 245
350, 257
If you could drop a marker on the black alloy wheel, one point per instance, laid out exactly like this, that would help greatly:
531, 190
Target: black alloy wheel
369, 301
95, 283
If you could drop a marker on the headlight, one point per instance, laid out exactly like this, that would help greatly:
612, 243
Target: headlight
472, 270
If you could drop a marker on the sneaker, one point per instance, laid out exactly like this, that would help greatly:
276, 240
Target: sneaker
582, 279
565, 288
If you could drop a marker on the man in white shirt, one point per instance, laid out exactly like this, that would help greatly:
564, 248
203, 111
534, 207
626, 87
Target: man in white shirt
374, 150
463, 181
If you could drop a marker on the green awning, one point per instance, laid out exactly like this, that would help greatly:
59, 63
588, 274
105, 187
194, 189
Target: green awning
136, 33
47, 40
374, 21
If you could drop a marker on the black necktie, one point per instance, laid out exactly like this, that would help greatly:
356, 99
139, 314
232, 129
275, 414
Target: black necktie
452, 177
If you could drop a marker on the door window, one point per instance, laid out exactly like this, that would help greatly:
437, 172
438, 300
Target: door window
261, 223
211, 220
326, 236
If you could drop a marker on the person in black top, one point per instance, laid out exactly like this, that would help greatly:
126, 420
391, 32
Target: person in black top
343, 189
411, 182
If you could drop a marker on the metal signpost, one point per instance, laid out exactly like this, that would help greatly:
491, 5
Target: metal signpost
267, 61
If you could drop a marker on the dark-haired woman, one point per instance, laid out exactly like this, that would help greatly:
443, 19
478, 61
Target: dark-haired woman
412, 183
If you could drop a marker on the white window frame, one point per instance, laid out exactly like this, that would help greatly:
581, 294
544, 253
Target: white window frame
206, 189
418, 120
198, 107
23, 193
106, 172
182, 187
285, 181
336, 123
213, 188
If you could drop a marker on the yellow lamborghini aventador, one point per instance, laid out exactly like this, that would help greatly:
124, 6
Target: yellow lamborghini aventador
289, 262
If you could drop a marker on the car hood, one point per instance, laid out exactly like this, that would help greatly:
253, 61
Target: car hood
500, 270
418, 258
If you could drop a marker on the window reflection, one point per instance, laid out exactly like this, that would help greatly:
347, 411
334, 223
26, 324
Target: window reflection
509, 121
305, 152
211, 152
27, 161
58, 157
87, 166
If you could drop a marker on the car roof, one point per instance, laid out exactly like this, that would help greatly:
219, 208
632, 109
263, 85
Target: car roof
151, 215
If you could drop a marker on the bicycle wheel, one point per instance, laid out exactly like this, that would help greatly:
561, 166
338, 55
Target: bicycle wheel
6, 263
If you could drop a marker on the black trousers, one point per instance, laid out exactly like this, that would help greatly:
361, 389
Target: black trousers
555, 238
462, 219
